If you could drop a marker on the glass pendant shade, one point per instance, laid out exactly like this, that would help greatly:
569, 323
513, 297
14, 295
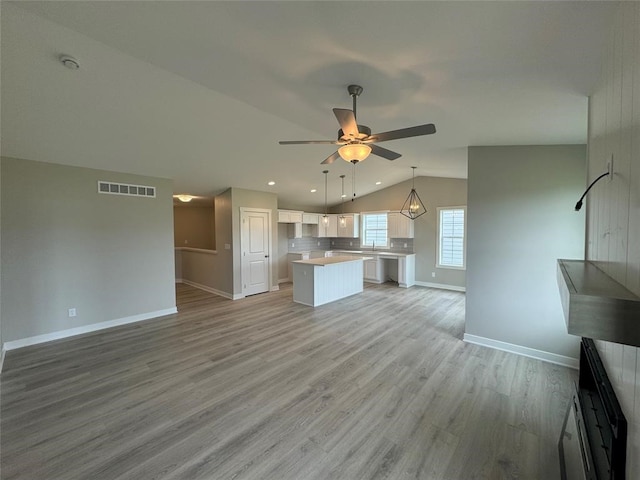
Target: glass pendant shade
356, 151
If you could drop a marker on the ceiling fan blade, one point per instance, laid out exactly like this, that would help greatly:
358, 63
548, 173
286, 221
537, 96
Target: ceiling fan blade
416, 131
347, 121
331, 158
384, 153
305, 142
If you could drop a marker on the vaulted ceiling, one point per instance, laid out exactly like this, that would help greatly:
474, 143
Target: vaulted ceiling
201, 92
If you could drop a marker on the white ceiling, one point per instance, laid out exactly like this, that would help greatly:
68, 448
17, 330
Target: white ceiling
201, 92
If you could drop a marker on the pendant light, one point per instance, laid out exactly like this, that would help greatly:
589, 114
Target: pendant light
343, 220
325, 217
413, 207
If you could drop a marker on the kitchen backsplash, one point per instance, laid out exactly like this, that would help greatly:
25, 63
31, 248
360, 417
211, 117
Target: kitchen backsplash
305, 244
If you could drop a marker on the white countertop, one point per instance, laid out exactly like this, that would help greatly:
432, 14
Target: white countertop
321, 262
374, 252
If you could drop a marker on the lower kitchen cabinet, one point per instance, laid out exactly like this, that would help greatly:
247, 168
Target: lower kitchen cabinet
374, 270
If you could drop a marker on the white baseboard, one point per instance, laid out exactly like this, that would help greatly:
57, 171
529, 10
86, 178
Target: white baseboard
72, 332
284, 280
179, 280
524, 351
206, 288
441, 286
275, 288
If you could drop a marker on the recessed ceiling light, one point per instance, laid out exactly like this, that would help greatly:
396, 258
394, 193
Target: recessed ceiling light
378, 183
271, 183
313, 190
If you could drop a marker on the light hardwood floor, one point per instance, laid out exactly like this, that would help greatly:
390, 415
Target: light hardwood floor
378, 385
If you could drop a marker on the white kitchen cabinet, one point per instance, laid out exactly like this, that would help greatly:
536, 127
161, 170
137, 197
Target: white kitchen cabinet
351, 226
294, 230
374, 270
310, 218
289, 216
407, 271
399, 226
329, 229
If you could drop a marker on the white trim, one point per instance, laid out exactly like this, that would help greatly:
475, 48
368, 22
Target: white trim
2, 358
206, 288
275, 288
441, 286
524, 351
179, 280
72, 332
268, 212
283, 280
439, 238
196, 250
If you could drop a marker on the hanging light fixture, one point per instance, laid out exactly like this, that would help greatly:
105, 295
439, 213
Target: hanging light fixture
325, 217
343, 219
355, 152
413, 206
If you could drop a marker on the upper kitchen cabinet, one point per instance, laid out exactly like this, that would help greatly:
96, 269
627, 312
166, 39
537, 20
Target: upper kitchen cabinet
399, 226
289, 216
350, 227
310, 218
329, 229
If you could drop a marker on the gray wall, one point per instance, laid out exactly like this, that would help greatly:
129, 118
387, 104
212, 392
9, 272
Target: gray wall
613, 206
194, 226
434, 192
521, 220
65, 245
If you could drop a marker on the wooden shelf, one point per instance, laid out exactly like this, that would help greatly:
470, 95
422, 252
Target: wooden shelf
596, 306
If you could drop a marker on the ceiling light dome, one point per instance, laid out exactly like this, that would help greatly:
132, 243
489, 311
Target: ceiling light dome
354, 152
184, 198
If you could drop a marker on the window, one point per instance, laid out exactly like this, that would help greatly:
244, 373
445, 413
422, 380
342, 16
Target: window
451, 237
374, 230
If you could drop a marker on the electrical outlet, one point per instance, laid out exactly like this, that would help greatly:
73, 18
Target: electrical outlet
227, 246
351, 244
72, 312
405, 245
318, 243
391, 245
433, 274
293, 244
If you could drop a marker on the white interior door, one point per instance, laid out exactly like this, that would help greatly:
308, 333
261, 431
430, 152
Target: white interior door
256, 232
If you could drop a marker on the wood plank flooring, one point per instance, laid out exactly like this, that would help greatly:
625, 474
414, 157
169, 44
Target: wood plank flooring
378, 385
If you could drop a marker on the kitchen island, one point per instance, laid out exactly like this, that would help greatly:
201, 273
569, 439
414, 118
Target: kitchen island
322, 280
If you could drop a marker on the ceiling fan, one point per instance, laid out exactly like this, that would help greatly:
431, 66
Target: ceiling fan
356, 141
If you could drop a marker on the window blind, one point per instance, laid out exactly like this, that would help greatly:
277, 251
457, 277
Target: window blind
452, 237
374, 229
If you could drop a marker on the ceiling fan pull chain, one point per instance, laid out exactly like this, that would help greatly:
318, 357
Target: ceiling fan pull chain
353, 182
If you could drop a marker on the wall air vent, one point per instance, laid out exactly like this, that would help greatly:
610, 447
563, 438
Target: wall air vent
126, 189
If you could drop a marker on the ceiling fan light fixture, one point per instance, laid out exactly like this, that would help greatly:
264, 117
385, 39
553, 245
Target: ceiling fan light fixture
354, 152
